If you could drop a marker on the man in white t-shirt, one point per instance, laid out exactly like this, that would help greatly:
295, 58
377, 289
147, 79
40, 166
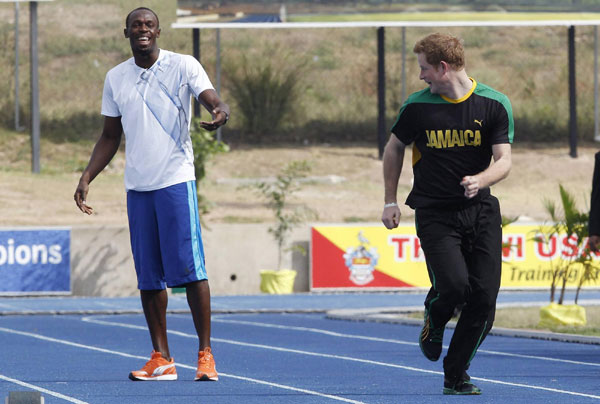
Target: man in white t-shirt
148, 97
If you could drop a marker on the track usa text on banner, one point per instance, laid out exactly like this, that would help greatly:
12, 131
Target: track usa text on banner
372, 257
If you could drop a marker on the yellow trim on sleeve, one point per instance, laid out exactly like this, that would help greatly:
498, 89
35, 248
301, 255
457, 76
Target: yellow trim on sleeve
467, 95
416, 154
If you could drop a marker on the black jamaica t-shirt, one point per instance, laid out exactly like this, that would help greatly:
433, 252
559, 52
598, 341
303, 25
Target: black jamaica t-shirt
452, 139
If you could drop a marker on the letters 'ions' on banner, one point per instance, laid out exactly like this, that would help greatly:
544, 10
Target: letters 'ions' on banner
372, 257
35, 261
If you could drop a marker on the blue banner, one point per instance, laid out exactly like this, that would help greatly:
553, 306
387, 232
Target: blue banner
37, 260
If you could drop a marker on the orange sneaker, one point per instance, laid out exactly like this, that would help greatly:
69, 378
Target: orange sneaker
206, 366
157, 368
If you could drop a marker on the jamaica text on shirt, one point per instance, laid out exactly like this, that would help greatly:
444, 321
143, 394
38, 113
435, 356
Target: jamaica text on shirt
442, 139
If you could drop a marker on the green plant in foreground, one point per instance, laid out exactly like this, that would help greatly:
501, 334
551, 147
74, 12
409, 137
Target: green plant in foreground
572, 224
205, 147
277, 194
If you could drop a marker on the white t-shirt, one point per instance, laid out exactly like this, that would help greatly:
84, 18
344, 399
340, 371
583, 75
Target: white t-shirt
154, 105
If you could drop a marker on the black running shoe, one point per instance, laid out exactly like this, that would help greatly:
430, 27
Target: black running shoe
465, 378
462, 388
430, 340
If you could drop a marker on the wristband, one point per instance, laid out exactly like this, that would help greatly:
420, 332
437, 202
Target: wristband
389, 205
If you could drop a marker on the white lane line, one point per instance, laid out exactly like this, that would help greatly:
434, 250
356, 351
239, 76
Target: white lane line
42, 390
93, 348
393, 341
340, 357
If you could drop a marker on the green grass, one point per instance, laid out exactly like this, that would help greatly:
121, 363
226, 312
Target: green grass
81, 40
529, 317
240, 219
446, 16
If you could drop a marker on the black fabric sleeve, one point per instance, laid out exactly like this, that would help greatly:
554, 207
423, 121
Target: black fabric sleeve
404, 126
502, 127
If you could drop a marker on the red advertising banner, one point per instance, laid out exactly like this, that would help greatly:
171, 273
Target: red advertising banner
371, 257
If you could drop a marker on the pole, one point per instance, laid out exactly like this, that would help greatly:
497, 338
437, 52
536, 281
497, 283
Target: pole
17, 98
596, 134
403, 94
381, 90
196, 50
35, 92
218, 67
572, 95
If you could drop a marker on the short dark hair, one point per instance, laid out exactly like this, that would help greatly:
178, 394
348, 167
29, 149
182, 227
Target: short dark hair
138, 9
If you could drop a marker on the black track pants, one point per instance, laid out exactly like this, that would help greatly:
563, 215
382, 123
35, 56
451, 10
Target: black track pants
463, 251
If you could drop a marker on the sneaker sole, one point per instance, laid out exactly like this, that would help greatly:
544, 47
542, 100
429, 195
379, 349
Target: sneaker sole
453, 392
156, 378
205, 378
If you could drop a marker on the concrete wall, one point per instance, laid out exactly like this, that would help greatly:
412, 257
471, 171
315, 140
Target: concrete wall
102, 264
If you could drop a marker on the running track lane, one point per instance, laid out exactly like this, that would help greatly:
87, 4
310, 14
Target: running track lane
279, 358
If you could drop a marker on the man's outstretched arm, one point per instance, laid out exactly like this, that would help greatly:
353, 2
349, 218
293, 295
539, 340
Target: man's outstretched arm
218, 109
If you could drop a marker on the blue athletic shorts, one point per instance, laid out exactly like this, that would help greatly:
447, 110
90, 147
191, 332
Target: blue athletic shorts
165, 236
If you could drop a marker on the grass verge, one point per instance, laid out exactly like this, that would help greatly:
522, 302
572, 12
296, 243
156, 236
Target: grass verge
527, 318
446, 16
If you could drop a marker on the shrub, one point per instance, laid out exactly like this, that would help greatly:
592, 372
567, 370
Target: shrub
266, 90
205, 147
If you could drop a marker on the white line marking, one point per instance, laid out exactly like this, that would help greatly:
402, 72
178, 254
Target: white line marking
367, 361
393, 341
93, 348
393, 365
42, 390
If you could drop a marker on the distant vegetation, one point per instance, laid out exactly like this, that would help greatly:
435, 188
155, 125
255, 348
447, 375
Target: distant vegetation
303, 5
80, 40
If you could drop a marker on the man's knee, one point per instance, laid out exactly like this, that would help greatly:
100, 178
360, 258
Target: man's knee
483, 306
455, 293
486, 302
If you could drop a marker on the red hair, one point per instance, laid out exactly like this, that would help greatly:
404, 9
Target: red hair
440, 47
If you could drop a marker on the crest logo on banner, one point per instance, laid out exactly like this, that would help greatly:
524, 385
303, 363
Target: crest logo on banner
361, 261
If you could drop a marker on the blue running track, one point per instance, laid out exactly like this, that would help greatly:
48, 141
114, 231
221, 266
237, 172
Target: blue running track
275, 349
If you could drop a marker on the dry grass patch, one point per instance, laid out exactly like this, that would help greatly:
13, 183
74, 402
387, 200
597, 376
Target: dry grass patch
535, 175
529, 317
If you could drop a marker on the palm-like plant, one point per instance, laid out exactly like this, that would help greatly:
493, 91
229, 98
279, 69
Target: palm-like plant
573, 224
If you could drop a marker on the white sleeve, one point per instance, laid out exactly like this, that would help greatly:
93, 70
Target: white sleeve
196, 76
109, 106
